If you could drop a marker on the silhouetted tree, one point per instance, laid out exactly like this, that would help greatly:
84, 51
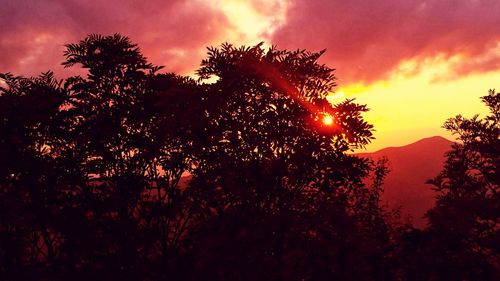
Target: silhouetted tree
281, 195
132, 156
90, 167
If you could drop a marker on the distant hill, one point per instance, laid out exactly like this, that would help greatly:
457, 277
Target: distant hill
411, 166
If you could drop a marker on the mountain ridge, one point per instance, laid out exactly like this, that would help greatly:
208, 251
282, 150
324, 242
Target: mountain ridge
410, 167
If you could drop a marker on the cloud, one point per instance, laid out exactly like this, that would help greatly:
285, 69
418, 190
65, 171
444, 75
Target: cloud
172, 33
367, 40
483, 63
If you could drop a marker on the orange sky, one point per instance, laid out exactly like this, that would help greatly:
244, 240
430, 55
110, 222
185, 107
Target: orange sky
415, 63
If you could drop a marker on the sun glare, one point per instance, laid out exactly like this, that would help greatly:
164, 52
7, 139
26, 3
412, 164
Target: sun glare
327, 120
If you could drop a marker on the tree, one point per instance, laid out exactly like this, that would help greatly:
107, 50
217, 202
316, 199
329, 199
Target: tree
131, 154
280, 192
91, 170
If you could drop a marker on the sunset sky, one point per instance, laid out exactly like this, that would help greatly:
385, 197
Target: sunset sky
414, 63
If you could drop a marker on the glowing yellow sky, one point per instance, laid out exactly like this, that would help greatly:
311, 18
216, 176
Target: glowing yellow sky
405, 109
250, 24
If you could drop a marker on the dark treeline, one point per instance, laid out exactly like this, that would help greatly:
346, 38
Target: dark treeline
128, 173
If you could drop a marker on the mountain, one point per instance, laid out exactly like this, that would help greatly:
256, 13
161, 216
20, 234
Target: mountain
411, 166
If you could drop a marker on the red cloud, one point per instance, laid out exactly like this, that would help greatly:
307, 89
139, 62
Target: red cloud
172, 33
366, 40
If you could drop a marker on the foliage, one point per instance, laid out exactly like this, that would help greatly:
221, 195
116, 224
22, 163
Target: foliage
274, 176
93, 175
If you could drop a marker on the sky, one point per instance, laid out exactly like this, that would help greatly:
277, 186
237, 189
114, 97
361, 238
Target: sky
415, 63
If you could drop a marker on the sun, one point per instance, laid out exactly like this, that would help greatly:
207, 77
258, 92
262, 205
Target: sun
327, 120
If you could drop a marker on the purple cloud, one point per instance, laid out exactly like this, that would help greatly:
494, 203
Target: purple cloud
171, 33
366, 40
